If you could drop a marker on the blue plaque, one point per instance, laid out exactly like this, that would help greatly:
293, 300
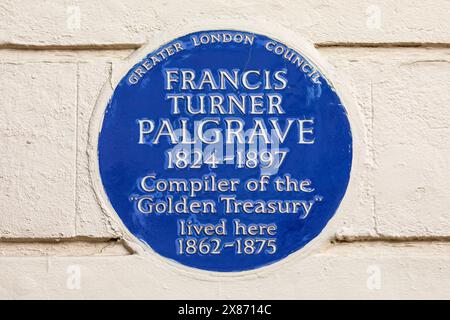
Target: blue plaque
225, 150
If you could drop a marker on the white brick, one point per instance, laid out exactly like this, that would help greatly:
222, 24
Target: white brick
406, 118
37, 139
341, 272
91, 219
116, 23
412, 131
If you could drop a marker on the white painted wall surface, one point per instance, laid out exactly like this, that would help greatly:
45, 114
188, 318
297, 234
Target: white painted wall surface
390, 60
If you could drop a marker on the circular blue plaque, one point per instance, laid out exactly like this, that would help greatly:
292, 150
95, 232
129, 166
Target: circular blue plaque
225, 150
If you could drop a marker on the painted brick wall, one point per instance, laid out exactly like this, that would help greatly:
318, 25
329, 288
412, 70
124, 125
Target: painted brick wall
392, 58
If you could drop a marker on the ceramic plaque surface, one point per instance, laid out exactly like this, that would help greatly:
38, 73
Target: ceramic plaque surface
225, 150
